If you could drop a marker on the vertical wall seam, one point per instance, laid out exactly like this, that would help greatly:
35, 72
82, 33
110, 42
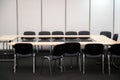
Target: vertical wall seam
65, 15
41, 15
113, 16
17, 16
89, 15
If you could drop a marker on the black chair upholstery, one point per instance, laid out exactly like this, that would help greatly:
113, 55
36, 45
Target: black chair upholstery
115, 37
31, 39
71, 33
23, 50
57, 54
106, 33
58, 33
114, 51
84, 33
46, 39
44, 49
93, 50
73, 49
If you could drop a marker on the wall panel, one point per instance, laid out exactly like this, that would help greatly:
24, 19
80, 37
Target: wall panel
53, 15
29, 15
117, 17
7, 17
77, 15
101, 16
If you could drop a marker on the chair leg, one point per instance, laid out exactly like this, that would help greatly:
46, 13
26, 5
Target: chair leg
61, 64
50, 66
103, 63
42, 63
34, 63
71, 63
55, 65
79, 62
109, 64
83, 63
14, 63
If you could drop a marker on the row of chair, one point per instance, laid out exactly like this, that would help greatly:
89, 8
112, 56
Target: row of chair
109, 35
106, 33
68, 50
53, 33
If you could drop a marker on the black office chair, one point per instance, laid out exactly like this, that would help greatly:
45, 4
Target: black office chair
45, 39
69, 39
23, 50
73, 49
93, 50
106, 33
114, 51
57, 54
44, 49
28, 39
58, 33
84, 33
115, 37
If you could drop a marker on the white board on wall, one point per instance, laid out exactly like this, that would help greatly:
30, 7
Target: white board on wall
7, 17
53, 15
29, 16
117, 18
101, 16
77, 15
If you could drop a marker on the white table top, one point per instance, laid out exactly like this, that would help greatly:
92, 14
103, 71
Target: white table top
97, 39
8, 37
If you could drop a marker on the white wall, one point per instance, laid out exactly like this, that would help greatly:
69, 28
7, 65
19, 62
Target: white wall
117, 17
78, 15
29, 16
53, 15
101, 16
7, 17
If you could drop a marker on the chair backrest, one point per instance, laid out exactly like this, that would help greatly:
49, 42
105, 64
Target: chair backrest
71, 48
106, 33
94, 49
115, 37
71, 33
84, 33
29, 33
44, 33
115, 49
58, 33
58, 50
23, 48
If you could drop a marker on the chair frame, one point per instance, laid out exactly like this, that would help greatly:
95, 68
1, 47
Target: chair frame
86, 54
113, 52
72, 49
15, 56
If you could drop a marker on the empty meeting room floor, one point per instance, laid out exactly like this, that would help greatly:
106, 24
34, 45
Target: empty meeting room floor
24, 71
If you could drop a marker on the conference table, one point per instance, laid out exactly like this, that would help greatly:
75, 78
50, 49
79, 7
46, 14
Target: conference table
13, 39
94, 39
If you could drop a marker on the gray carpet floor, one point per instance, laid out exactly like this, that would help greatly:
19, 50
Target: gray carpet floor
24, 71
